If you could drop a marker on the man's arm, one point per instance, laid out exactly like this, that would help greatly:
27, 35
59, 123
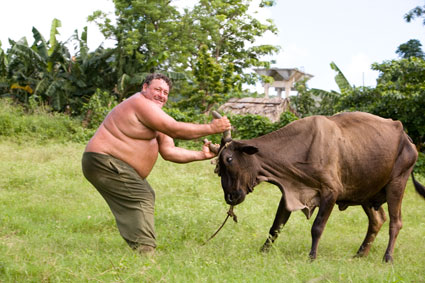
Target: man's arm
170, 152
155, 118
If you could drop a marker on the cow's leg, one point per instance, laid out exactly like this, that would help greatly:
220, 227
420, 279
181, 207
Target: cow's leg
282, 216
395, 191
376, 219
327, 203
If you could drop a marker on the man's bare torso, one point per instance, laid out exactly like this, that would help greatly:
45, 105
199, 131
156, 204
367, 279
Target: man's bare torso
123, 136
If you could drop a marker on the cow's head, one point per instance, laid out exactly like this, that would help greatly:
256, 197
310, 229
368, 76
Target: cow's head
237, 167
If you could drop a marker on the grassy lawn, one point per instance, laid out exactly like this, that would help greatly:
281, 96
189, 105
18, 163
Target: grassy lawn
55, 227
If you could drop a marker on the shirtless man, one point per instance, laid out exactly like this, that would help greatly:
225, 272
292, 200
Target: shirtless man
124, 149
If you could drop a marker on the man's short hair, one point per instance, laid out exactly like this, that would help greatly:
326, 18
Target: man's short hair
158, 76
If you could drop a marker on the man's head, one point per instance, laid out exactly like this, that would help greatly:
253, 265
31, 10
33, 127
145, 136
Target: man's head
157, 76
156, 88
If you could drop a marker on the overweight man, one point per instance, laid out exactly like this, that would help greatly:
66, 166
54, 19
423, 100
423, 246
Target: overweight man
124, 149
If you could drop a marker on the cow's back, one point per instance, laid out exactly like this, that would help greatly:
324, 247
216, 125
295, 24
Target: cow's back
368, 148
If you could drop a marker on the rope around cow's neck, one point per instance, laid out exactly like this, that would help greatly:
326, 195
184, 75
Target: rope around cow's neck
229, 213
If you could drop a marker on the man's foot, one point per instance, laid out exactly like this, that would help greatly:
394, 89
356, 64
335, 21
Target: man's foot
146, 250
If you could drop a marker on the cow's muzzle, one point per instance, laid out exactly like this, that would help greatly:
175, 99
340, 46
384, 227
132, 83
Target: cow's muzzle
234, 197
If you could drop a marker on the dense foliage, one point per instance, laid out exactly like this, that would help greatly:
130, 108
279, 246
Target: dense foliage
45, 72
206, 50
250, 126
211, 45
399, 95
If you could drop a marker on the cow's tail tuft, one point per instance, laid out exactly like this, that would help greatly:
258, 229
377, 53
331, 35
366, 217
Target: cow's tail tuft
418, 186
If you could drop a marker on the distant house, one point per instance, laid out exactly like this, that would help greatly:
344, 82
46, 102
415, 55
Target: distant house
270, 107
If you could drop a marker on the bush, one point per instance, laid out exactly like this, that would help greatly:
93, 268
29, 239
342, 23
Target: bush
41, 125
251, 126
178, 115
95, 111
285, 118
420, 164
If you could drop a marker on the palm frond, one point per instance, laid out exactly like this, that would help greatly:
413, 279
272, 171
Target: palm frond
40, 42
53, 32
340, 79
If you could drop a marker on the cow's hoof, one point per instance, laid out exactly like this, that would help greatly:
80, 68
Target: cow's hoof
360, 254
388, 258
265, 248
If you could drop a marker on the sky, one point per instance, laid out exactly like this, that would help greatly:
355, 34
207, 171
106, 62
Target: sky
312, 33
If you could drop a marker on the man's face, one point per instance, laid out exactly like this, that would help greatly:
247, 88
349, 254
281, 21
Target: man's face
157, 91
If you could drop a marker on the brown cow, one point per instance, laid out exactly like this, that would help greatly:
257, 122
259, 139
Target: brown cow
347, 159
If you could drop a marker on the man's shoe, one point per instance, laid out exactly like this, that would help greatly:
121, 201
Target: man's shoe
146, 250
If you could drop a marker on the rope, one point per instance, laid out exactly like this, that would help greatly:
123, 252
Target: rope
229, 213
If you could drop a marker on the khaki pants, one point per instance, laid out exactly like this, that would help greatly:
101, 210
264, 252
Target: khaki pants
130, 198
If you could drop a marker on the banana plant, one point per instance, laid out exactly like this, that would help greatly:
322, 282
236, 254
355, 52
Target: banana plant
331, 97
340, 79
3, 71
57, 78
326, 99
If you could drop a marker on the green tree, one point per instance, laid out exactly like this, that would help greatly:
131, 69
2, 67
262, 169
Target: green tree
212, 83
411, 48
402, 87
417, 12
215, 39
228, 33
148, 37
399, 95
304, 102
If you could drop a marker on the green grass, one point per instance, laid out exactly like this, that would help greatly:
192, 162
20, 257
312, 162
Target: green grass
55, 227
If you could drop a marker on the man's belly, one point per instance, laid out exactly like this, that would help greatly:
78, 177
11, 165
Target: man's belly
138, 153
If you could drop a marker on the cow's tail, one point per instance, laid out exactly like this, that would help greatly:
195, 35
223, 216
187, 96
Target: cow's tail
418, 186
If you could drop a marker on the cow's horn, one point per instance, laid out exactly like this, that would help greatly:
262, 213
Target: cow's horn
213, 148
227, 136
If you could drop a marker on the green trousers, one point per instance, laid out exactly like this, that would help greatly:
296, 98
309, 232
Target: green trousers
130, 198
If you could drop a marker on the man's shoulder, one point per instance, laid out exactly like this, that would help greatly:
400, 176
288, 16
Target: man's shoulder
130, 103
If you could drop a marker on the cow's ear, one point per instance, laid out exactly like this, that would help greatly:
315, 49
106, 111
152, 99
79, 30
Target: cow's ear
245, 148
249, 149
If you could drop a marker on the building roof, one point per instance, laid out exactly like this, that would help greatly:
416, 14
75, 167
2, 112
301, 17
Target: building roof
283, 74
271, 108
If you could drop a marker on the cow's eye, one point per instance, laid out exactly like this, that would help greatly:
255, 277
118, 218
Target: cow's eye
229, 159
